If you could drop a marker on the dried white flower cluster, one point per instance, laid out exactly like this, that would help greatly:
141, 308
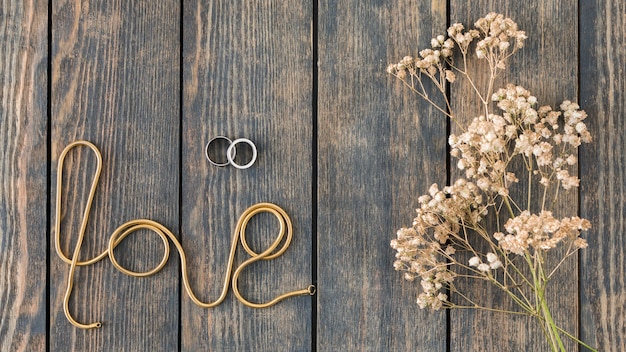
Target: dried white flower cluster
512, 138
495, 34
540, 232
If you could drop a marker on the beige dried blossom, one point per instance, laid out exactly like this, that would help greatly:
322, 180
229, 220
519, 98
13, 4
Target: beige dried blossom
539, 231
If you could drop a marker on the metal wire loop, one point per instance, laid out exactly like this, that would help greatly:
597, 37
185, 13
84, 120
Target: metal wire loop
231, 158
217, 163
285, 233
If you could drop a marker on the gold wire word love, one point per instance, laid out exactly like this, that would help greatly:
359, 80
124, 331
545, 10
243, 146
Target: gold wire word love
144, 224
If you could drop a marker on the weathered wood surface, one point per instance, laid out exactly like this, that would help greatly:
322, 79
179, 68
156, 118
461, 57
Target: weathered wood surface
603, 174
23, 175
247, 73
104, 55
378, 148
342, 147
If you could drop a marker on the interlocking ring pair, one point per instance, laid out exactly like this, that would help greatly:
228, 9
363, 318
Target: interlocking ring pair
231, 152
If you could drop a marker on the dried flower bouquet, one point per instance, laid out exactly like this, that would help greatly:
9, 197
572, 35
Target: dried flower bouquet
474, 229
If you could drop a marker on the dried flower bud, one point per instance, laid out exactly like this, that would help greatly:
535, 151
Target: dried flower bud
451, 77
580, 243
495, 264
474, 261
484, 267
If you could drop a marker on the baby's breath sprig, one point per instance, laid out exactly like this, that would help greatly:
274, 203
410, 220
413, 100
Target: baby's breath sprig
509, 248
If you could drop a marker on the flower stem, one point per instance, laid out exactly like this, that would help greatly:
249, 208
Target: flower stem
553, 331
540, 279
577, 340
508, 206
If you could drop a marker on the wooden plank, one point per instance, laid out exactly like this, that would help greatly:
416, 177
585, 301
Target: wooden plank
379, 149
115, 82
547, 66
247, 73
23, 162
603, 171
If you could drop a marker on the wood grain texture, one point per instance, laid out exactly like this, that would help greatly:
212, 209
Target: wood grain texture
603, 174
114, 76
23, 125
379, 149
247, 73
115, 82
547, 66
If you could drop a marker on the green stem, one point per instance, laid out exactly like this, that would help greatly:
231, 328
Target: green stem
508, 206
555, 339
530, 182
576, 339
540, 285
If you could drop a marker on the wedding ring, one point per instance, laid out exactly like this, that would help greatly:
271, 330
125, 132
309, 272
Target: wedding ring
230, 153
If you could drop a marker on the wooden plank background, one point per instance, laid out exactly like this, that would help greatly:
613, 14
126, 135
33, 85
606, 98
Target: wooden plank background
247, 73
103, 56
343, 148
377, 151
